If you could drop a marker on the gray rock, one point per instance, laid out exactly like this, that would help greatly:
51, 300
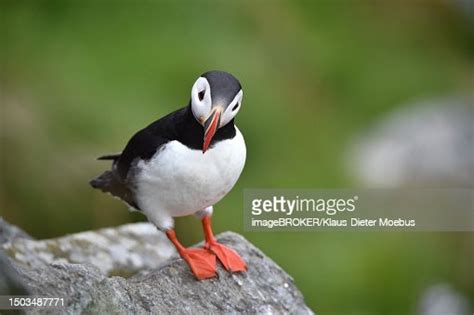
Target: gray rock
443, 299
124, 250
90, 288
9, 232
10, 281
426, 144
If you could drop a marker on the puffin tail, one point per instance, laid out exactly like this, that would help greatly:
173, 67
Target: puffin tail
104, 182
109, 182
113, 157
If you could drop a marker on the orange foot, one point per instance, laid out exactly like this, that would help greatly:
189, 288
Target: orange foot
228, 257
201, 261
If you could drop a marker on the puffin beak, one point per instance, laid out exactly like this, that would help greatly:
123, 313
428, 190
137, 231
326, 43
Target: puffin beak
210, 127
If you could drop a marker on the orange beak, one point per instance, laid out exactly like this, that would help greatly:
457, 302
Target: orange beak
210, 127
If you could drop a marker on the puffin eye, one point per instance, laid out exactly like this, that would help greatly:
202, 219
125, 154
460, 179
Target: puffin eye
201, 94
235, 106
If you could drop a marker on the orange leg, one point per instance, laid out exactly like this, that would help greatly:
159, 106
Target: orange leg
201, 261
228, 257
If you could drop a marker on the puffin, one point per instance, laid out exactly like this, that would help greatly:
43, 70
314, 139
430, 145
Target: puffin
183, 164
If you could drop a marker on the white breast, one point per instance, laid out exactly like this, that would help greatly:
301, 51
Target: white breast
179, 181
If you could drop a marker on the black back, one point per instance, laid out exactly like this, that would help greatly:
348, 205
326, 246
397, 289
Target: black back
179, 125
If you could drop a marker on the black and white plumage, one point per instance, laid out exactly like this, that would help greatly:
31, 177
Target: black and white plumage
185, 162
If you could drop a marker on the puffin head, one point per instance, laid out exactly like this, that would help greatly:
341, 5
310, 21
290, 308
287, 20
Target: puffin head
216, 98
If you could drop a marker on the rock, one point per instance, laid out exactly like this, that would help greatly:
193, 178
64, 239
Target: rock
441, 299
88, 287
124, 250
465, 7
426, 144
10, 281
9, 232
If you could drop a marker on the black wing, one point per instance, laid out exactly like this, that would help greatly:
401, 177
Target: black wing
116, 181
179, 125
145, 143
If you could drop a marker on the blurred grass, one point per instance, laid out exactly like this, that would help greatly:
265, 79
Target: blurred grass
79, 78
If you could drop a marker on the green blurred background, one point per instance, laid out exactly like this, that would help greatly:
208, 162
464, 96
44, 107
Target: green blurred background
79, 78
